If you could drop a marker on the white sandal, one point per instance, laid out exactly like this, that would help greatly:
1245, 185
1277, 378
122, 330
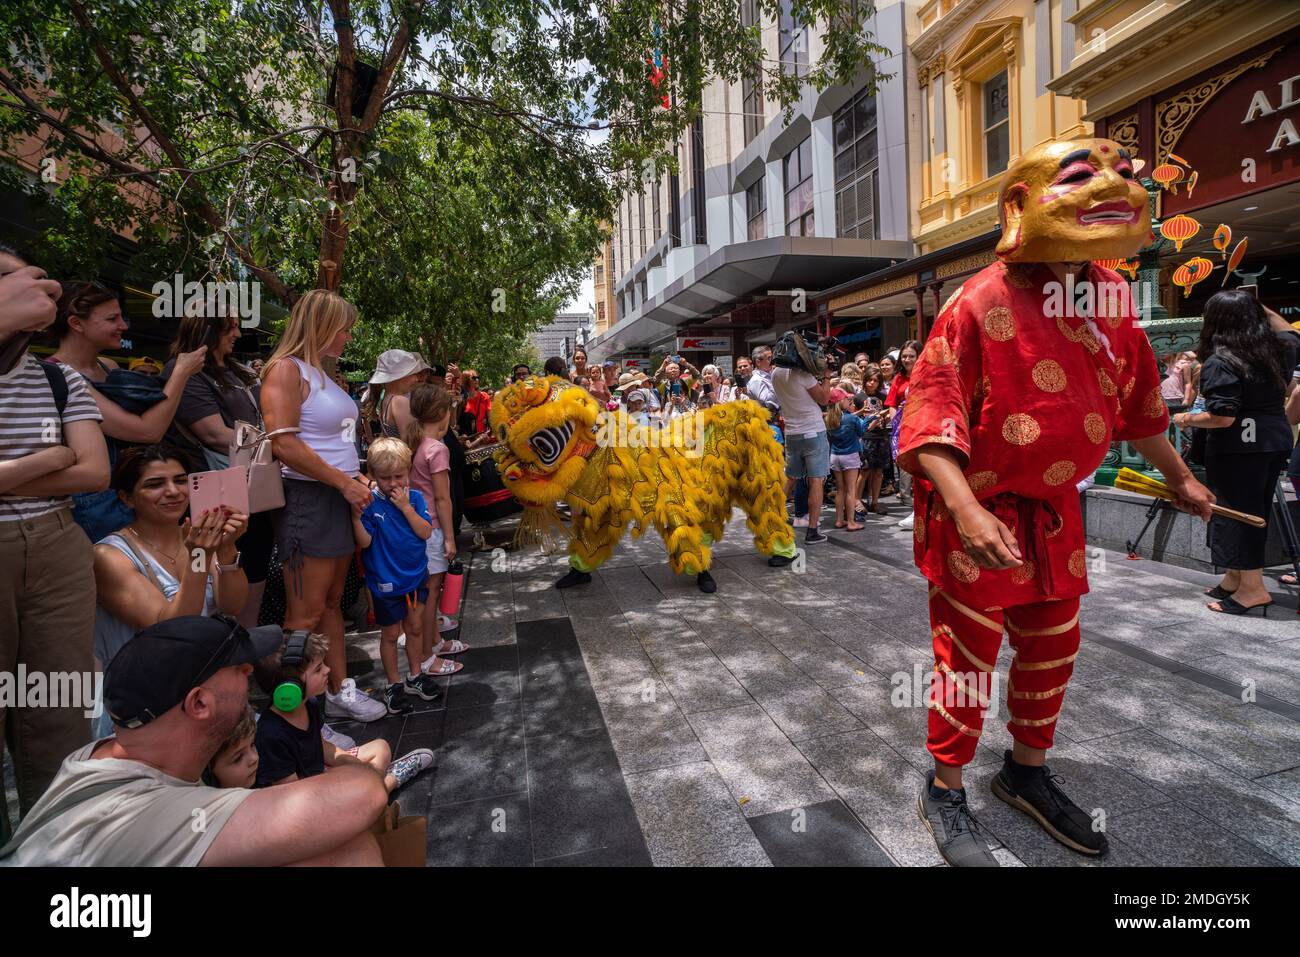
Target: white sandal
447, 668
453, 647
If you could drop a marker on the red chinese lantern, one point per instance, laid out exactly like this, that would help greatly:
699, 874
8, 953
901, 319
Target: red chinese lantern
1166, 174
1112, 264
1179, 229
1131, 266
1191, 272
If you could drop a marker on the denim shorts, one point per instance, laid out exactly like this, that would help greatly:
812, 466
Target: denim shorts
434, 554
807, 456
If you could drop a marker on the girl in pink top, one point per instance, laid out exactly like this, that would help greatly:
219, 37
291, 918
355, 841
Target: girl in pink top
430, 468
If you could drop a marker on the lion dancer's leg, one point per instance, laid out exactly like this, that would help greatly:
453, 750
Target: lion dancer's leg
762, 488
1045, 637
590, 546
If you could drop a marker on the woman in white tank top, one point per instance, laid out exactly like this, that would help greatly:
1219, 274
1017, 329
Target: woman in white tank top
313, 532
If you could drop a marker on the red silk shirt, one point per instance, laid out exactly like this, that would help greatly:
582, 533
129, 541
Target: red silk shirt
1029, 393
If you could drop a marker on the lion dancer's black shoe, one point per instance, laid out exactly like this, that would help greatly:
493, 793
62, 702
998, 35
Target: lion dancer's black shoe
706, 583
573, 577
1036, 792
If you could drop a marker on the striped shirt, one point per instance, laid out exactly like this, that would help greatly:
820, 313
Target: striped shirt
29, 422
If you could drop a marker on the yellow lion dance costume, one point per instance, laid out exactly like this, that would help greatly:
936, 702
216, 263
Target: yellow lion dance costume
558, 444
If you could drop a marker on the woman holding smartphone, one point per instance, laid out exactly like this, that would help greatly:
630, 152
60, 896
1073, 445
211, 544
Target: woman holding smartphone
312, 424
157, 567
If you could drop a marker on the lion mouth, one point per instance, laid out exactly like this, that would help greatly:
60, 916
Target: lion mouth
549, 444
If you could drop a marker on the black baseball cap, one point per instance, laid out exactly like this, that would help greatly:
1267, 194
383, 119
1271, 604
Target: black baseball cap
157, 668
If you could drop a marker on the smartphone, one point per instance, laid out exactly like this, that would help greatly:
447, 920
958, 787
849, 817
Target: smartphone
677, 387
209, 490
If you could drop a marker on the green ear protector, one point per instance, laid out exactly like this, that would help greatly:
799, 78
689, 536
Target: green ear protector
288, 694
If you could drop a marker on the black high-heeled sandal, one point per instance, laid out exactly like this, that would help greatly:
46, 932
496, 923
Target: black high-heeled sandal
1230, 606
1218, 592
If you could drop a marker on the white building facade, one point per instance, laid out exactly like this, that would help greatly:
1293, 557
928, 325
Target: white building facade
764, 213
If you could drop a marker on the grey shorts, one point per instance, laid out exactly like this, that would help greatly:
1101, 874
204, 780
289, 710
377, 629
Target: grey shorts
316, 522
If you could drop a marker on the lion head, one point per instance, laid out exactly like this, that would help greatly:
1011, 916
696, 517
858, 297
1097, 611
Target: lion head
547, 427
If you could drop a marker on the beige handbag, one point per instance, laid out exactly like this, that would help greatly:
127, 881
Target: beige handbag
252, 448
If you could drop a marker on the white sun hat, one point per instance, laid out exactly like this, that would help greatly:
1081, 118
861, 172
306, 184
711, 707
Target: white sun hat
397, 364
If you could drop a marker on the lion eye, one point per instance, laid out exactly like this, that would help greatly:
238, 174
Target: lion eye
501, 431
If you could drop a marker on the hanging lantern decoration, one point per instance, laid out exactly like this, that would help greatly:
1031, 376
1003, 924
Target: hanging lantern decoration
1238, 254
1191, 272
1179, 229
1166, 175
1130, 266
1111, 264
1222, 236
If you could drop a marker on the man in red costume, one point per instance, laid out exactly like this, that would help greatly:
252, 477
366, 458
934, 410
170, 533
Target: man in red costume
1019, 392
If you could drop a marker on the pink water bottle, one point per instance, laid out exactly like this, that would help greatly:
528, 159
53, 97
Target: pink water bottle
452, 584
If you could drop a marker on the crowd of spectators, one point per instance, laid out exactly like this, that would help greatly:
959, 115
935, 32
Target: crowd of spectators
109, 572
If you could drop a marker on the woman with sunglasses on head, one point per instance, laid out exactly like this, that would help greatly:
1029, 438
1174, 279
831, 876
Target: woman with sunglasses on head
221, 394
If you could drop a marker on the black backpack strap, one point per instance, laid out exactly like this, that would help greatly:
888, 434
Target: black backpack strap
58, 384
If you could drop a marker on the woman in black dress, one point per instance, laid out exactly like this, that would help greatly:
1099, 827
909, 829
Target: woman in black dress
1248, 353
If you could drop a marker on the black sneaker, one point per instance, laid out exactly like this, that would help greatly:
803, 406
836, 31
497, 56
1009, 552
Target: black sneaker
706, 583
397, 700
423, 687
573, 577
814, 537
954, 828
1037, 792
779, 561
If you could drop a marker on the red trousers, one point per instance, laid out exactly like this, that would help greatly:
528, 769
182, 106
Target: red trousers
1045, 638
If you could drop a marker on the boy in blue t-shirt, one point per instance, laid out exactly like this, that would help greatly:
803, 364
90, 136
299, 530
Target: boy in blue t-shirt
392, 531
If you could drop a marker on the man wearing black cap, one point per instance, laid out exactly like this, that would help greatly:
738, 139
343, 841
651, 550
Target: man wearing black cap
174, 693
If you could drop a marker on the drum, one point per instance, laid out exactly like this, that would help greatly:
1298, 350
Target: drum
486, 498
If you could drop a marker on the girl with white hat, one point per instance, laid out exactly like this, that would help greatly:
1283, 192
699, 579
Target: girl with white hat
396, 373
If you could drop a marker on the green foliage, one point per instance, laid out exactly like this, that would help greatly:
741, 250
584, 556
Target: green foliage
463, 206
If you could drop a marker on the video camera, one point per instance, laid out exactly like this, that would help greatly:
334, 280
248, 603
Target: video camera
816, 355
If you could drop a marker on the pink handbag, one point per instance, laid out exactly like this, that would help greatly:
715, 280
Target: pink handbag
251, 448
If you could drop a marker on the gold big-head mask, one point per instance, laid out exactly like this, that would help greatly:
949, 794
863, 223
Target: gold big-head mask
1073, 201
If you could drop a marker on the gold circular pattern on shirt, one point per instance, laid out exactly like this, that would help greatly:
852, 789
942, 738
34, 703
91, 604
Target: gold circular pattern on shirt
1049, 376
979, 481
963, 567
938, 352
1058, 473
999, 324
940, 510
1094, 426
1077, 564
1153, 406
1020, 429
918, 533
1106, 382
1121, 364
1025, 573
